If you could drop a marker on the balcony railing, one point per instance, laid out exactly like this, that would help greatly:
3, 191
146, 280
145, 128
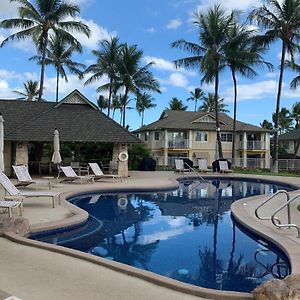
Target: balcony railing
178, 144
254, 145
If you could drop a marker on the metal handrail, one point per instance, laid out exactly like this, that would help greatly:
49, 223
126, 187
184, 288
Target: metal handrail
289, 224
270, 198
194, 171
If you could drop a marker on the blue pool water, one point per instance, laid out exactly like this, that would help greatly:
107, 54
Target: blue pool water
187, 234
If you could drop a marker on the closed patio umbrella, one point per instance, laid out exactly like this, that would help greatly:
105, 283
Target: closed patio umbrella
217, 156
1, 143
56, 158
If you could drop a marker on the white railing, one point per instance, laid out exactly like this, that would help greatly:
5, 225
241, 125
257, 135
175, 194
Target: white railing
254, 145
178, 144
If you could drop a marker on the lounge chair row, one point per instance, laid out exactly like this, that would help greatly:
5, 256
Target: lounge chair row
202, 166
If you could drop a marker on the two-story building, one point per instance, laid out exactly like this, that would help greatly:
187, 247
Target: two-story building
193, 135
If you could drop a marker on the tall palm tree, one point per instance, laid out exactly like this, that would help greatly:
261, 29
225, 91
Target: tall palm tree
143, 102
176, 104
196, 96
281, 22
116, 104
37, 21
209, 105
31, 91
59, 54
102, 102
241, 57
132, 77
108, 58
208, 55
284, 120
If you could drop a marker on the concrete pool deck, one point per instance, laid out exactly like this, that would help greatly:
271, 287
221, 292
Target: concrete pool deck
31, 271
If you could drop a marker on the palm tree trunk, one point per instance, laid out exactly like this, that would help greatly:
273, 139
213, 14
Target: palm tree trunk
195, 104
234, 117
217, 112
124, 106
109, 97
275, 158
45, 37
113, 114
57, 83
143, 118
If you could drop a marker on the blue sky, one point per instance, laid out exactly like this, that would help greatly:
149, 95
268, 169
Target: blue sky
153, 25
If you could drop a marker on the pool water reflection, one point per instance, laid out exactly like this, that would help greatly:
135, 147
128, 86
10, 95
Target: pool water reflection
187, 234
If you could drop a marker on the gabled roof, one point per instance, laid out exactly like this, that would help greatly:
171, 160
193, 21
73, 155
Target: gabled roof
290, 136
76, 122
185, 120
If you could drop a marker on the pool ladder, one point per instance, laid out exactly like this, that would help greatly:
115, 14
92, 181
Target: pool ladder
198, 175
276, 222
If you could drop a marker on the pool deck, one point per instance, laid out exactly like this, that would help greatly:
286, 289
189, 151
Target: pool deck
34, 270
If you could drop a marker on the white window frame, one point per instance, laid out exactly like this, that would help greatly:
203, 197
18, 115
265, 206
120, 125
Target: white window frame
202, 135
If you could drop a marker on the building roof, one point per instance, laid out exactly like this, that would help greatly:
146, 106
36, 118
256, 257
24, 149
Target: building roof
188, 120
290, 136
75, 117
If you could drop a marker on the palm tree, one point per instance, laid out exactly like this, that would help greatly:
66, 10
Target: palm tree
38, 21
176, 104
58, 54
208, 55
241, 56
282, 22
132, 77
102, 102
296, 113
108, 58
115, 104
197, 95
124, 101
267, 125
284, 120
209, 105
31, 91
143, 102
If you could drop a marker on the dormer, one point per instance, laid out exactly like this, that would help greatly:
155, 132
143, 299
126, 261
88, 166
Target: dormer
208, 118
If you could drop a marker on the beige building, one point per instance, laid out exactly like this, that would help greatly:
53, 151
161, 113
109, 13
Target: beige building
291, 141
193, 135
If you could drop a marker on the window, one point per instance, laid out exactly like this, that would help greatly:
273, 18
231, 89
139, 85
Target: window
138, 135
226, 137
146, 135
201, 136
156, 135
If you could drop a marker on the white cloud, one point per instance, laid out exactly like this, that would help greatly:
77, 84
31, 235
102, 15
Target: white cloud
8, 9
177, 79
151, 29
165, 65
174, 24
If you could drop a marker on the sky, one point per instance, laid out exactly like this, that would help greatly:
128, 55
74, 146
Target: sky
152, 25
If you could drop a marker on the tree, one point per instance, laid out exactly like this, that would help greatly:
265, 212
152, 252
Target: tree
108, 57
196, 96
38, 21
31, 91
208, 104
143, 102
59, 54
296, 113
102, 102
132, 77
176, 104
284, 120
281, 22
208, 55
266, 124
241, 56
116, 104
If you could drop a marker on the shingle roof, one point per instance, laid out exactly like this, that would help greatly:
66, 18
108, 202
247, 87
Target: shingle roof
36, 121
185, 120
290, 136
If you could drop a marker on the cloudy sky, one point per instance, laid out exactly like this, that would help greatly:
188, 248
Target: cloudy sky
153, 25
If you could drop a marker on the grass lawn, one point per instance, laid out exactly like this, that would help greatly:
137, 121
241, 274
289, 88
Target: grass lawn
265, 172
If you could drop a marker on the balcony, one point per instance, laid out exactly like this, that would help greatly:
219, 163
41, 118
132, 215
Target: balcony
254, 145
178, 144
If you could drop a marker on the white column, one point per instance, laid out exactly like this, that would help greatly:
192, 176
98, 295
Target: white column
245, 150
166, 146
190, 144
267, 153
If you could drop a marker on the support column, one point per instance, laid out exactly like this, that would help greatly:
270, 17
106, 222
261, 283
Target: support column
190, 144
245, 150
22, 153
122, 164
268, 149
166, 146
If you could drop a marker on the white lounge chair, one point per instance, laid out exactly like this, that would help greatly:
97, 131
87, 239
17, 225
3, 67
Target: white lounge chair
24, 178
20, 195
179, 165
223, 164
98, 173
202, 165
9, 205
72, 176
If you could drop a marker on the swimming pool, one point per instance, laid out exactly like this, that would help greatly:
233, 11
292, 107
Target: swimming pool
187, 234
